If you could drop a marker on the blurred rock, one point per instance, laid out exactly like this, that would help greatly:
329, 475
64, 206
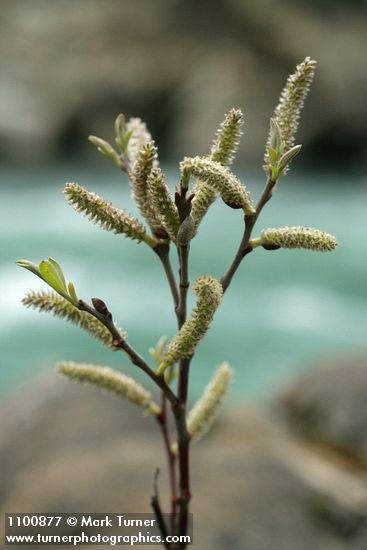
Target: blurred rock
329, 406
68, 69
64, 447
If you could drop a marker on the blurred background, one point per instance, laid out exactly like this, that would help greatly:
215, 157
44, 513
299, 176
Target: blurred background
67, 69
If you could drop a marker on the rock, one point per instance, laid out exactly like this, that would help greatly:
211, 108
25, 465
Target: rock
67, 71
64, 447
329, 406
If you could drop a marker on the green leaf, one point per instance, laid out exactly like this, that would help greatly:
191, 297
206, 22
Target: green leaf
58, 270
273, 156
185, 179
281, 148
126, 140
274, 173
72, 293
30, 266
288, 156
51, 273
51, 276
106, 149
120, 129
275, 134
122, 135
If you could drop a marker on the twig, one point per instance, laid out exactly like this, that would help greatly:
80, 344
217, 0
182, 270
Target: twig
244, 247
158, 512
121, 343
183, 253
162, 251
171, 459
179, 411
183, 438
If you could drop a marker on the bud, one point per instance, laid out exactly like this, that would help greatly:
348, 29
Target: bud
221, 180
187, 231
202, 415
112, 381
209, 294
299, 237
226, 142
101, 307
159, 350
107, 216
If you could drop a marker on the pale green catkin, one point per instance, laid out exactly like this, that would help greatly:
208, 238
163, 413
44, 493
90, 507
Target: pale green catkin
288, 111
203, 199
105, 215
145, 162
299, 237
50, 302
223, 150
220, 179
227, 140
139, 138
201, 417
163, 203
209, 294
108, 379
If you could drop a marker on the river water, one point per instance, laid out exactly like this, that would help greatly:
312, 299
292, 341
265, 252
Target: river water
285, 309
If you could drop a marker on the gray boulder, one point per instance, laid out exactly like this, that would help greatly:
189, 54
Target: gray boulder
68, 68
64, 448
329, 406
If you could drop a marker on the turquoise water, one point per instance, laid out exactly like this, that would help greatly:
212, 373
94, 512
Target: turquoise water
284, 310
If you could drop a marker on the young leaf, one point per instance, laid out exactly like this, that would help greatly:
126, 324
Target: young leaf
50, 271
72, 293
32, 267
106, 149
288, 157
58, 270
51, 276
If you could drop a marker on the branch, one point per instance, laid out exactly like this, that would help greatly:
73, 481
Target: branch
183, 440
171, 459
244, 247
266, 196
162, 251
158, 512
183, 437
119, 342
183, 252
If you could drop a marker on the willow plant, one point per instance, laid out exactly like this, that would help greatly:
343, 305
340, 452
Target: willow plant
172, 221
